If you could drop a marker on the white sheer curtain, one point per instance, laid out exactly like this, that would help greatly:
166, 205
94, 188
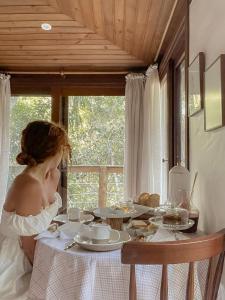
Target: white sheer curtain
151, 149
133, 133
142, 169
5, 95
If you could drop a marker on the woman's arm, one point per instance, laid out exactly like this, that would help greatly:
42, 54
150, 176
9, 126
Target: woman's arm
29, 202
28, 246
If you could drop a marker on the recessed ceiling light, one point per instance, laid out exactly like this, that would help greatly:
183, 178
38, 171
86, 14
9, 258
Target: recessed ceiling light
46, 26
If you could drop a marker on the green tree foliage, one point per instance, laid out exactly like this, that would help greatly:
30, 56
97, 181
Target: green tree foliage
96, 132
24, 110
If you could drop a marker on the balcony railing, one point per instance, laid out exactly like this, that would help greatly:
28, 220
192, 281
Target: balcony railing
108, 189
89, 186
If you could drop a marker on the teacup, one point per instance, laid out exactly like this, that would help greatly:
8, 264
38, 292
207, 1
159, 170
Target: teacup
97, 233
73, 214
100, 233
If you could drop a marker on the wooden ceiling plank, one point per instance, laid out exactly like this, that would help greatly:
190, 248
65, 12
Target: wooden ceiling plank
34, 17
162, 14
130, 16
71, 8
49, 36
53, 47
153, 16
71, 57
108, 9
86, 9
98, 17
23, 2
18, 53
57, 42
53, 3
27, 9
119, 22
39, 30
165, 14
67, 61
37, 24
143, 11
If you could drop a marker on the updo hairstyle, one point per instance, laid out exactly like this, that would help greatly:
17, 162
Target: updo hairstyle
41, 140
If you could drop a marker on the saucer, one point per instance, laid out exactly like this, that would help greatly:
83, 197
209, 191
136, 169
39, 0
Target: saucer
113, 243
83, 218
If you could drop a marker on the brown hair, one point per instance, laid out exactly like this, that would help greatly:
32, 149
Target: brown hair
41, 140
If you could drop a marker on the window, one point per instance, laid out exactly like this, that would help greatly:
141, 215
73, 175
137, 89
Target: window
24, 109
164, 140
96, 132
181, 115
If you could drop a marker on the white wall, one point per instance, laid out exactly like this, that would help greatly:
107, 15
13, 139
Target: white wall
207, 149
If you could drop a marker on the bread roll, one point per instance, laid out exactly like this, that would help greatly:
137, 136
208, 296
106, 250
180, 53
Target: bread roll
153, 200
142, 198
149, 200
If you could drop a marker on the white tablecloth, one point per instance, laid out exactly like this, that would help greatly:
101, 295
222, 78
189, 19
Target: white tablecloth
83, 275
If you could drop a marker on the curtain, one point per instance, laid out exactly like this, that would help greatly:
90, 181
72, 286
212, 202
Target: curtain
5, 95
151, 143
142, 167
133, 134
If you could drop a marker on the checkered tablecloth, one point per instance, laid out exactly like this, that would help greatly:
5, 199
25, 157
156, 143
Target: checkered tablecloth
83, 275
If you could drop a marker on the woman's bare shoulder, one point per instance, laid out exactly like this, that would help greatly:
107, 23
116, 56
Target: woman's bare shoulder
25, 196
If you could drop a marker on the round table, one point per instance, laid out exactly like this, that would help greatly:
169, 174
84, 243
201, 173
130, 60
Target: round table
84, 275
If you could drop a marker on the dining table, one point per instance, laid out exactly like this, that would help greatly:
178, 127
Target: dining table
80, 274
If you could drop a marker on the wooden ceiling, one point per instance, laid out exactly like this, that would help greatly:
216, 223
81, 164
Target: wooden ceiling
86, 35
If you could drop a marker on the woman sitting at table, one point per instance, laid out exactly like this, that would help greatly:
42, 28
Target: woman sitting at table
30, 205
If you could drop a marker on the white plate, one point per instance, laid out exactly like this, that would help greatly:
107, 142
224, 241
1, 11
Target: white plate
88, 245
83, 218
108, 212
158, 221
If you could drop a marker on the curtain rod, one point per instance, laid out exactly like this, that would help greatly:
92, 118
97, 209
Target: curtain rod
165, 31
63, 73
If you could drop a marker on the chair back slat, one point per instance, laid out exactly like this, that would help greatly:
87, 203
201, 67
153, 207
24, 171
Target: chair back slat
132, 287
178, 252
174, 252
191, 282
164, 284
218, 274
209, 281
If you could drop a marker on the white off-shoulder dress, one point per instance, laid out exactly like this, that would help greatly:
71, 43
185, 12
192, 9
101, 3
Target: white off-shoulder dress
15, 269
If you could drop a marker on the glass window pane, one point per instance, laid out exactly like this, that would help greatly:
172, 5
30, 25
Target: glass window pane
96, 131
182, 112
24, 109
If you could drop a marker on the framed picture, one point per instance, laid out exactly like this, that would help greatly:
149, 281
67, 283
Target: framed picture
196, 84
215, 94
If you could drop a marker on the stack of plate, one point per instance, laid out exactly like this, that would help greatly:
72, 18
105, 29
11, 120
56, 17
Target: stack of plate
112, 244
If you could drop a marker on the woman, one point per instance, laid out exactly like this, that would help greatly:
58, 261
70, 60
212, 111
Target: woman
30, 205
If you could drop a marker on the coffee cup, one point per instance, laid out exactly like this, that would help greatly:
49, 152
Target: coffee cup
97, 233
73, 214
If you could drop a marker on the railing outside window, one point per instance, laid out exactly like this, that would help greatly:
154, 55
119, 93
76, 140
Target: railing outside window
94, 186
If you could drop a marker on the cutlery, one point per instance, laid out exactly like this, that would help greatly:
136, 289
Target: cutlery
70, 245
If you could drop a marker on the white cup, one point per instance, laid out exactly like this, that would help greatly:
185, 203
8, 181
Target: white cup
73, 214
97, 233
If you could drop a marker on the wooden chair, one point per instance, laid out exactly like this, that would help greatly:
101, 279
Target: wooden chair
209, 247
